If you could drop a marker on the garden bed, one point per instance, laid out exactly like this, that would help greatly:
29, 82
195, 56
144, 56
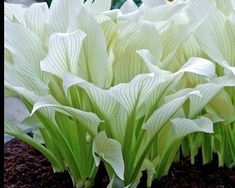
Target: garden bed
24, 167
150, 79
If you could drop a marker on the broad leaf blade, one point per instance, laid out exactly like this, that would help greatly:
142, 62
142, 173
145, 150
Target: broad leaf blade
35, 18
217, 43
163, 114
110, 151
88, 119
183, 127
94, 56
26, 49
63, 56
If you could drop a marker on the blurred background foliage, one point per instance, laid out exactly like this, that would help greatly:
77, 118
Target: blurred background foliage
115, 3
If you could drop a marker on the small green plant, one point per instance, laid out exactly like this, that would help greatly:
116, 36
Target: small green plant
132, 87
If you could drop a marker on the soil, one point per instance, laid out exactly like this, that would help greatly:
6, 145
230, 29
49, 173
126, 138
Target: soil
183, 174
24, 167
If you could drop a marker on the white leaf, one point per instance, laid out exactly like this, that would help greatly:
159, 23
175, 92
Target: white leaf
216, 36
183, 127
110, 151
97, 7
222, 106
102, 99
64, 50
163, 114
61, 15
14, 12
94, 56
199, 66
16, 79
224, 81
26, 49
208, 91
225, 6
88, 119
105, 104
168, 81
174, 36
164, 12
150, 60
30, 96
35, 18
133, 37
131, 95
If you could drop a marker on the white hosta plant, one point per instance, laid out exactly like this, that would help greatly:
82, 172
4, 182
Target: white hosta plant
122, 86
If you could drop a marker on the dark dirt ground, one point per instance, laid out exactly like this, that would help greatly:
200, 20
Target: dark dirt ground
24, 167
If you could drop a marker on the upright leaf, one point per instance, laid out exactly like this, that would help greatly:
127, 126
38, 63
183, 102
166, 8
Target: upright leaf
93, 58
216, 36
64, 51
26, 49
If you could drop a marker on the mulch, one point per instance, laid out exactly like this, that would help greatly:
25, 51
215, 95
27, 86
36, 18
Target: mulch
24, 167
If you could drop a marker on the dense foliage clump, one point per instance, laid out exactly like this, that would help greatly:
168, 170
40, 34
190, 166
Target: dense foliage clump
132, 87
